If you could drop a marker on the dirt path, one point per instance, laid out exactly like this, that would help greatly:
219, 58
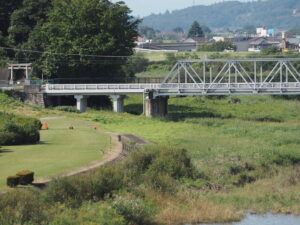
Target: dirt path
113, 153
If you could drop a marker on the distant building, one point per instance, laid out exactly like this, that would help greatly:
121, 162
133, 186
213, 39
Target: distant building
257, 44
198, 40
290, 44
218, 39
262, 32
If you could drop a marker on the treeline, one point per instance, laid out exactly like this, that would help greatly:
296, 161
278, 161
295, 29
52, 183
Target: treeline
17, 130
69, 38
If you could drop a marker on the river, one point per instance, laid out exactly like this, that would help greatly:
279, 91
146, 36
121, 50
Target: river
268, 219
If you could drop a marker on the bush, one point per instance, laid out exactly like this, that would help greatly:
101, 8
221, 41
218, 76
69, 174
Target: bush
23, 207
173, 162
63, 191
8, 138
218, 46
135, 211
15, 130
12, 181
244, 179
25, 177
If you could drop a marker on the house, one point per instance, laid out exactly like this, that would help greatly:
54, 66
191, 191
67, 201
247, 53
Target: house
290, 44
167, 47
257, 44
197, 40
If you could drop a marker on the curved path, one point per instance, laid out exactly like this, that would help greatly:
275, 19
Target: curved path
113, 153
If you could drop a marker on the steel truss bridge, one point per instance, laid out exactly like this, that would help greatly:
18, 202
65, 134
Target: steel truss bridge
276, 76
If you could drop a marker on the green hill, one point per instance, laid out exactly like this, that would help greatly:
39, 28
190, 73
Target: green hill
231, 14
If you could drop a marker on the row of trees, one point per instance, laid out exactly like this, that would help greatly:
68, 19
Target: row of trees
67, 37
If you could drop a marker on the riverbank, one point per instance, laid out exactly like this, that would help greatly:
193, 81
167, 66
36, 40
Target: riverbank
238, 158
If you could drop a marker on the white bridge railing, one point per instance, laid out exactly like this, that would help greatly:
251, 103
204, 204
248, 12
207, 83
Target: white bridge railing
95, 87
155, 86
175, 88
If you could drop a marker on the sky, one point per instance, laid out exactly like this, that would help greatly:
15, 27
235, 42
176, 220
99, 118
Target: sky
143, 8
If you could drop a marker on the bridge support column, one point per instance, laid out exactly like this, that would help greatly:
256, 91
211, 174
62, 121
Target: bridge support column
155, 107
81, 102
118, 103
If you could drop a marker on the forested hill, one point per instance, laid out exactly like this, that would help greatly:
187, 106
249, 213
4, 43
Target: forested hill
282, 14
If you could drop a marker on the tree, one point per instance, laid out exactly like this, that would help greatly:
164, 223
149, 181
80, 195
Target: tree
178, 30
7, 7
218, 46
270, 50
77, 28
205, 29
24, 19
195, 30
147, 32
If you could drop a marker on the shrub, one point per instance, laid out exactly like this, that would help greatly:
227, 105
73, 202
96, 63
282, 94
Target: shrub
23, 207
174, 162
63, 191
16, 130
8, 138
12, 181
135, 211
25, 177
107, 180
218, 46
244, 179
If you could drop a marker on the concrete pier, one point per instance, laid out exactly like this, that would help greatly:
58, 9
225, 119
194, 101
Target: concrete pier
81, 102
118, 103
155, 107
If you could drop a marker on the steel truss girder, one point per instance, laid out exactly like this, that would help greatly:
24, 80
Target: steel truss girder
234, 73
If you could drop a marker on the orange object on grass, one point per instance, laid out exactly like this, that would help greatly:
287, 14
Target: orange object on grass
45, 126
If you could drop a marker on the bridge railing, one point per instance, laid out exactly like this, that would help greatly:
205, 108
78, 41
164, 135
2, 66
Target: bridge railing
76, 87
167, 86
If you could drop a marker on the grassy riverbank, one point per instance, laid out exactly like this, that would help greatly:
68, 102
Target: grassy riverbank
239, 158
248, 152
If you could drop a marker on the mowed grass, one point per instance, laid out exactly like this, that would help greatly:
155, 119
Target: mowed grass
60, 150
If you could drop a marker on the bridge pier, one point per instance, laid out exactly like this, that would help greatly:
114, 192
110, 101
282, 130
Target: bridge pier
81, 102
155, 107
118, 103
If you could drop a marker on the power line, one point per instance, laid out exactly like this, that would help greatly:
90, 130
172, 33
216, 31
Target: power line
65, 54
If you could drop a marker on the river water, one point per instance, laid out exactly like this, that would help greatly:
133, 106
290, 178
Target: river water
268, 219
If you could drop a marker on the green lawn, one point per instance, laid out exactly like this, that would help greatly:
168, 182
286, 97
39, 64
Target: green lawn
60, 150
